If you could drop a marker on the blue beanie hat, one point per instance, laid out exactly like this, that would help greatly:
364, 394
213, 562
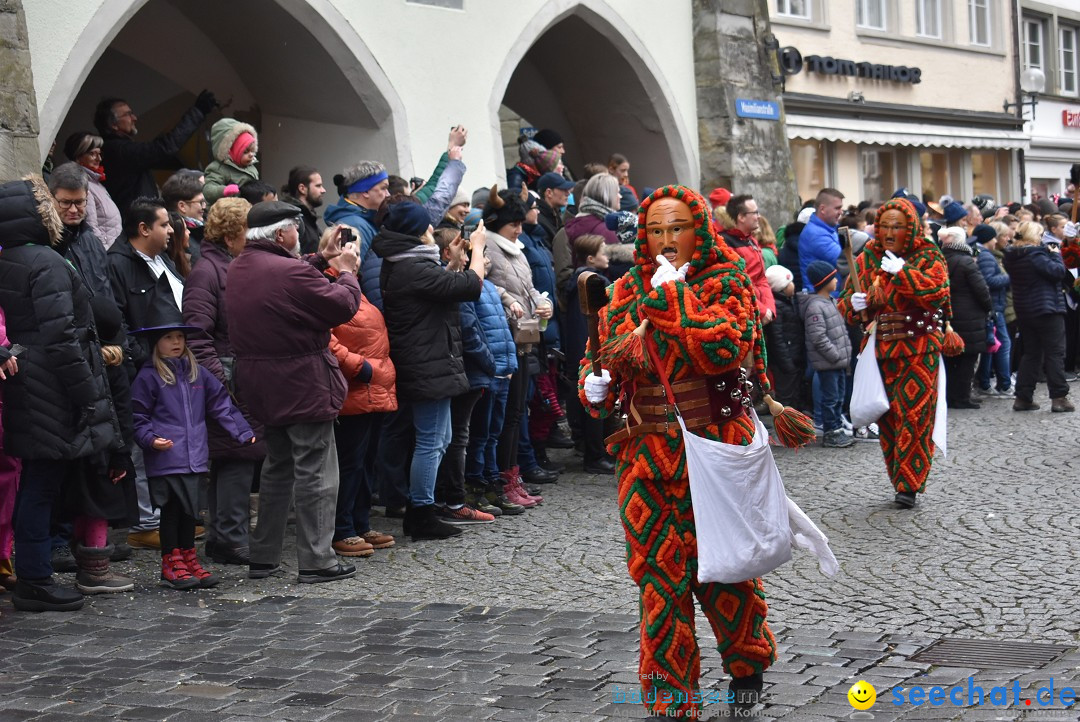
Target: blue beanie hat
407, 218
819, 273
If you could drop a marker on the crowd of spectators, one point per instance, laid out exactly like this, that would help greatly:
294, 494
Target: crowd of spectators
168, 355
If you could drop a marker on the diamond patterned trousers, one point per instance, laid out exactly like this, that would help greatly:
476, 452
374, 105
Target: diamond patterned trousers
905, 429
661, 543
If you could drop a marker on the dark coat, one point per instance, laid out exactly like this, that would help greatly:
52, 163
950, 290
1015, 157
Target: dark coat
178, 412
785, 338
970, 296
788, 255
422, 319
285, 309
550, 221
136, 291
59, 405
828, 345
79, 245
130, 163
204, 308
576, 331
309, 229
996, 279
542, 265
1038, 277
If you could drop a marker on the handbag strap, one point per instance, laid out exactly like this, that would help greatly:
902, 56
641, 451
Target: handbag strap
650, 344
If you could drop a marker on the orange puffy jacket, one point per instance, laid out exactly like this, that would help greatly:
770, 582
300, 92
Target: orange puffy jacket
362, 339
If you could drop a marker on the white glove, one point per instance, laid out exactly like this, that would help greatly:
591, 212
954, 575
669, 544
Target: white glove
891, 263
858, 301
596, 387
667, 272
1071, 229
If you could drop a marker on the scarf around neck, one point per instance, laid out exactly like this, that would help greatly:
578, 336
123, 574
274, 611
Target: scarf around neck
422, 250
591, 207
510, 248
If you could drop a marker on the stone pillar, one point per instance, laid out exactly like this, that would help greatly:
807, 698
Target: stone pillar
731, 61
18, 105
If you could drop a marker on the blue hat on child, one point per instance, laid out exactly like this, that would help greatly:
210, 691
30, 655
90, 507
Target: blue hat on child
819, 273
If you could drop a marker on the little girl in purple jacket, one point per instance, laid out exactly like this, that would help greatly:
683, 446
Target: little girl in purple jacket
171, 399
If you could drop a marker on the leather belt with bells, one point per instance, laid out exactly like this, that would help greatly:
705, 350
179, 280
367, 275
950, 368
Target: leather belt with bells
908, 324
702, 401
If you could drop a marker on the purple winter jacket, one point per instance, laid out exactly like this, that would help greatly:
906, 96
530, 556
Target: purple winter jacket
281, 311
178, 412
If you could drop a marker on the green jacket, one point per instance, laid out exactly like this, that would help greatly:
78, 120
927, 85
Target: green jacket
222, 171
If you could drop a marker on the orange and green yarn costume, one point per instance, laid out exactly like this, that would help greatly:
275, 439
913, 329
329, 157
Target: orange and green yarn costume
909, 367
705, 325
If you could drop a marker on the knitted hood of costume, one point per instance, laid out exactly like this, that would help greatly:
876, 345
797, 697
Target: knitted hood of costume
716, 272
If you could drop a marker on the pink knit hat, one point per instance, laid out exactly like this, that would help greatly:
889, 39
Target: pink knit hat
240, 146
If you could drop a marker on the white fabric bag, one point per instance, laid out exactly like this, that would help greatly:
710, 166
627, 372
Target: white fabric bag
941, 412
740, 508
869, 402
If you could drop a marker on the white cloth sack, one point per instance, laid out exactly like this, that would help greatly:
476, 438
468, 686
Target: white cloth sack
869, 402
941, 413
740, 508
805, 534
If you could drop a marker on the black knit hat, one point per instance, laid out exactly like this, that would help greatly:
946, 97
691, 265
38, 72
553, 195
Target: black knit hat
503, 208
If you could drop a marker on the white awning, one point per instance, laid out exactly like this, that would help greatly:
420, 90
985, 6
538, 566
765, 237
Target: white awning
878, 132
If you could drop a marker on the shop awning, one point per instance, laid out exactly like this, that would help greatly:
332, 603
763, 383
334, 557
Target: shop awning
879, 132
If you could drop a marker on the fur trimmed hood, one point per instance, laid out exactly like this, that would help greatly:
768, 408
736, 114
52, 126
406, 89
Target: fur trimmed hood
224, 133
28, 214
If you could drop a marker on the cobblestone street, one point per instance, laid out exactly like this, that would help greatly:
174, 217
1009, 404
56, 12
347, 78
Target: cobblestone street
534, 617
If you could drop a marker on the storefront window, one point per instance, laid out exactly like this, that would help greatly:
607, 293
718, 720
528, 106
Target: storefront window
809, 158
878, 173
984, 173
935, 174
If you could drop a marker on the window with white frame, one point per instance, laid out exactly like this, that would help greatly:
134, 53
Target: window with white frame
1033, 43
1067, 37
794, 9
979, 22
870, 14
928, 18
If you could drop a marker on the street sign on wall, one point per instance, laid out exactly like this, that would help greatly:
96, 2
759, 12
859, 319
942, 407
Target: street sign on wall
759, 109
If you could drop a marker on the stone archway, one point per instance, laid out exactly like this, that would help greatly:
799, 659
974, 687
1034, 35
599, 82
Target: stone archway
579, 69
260, 58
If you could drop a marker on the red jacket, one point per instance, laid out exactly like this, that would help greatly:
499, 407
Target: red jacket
363, 339
747, 247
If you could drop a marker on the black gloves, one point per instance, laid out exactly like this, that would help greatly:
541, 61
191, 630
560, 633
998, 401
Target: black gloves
206, 102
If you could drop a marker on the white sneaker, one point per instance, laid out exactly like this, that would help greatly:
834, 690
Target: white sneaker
846, 424
863, 433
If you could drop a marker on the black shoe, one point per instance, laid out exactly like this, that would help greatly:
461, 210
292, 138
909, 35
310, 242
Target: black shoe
545, 463
538, 475
905, 499
603, 465
494, 496
121, 552
261, 571
559, 439
63, 561
43, 595
426, 524
223, 554
964, 404
334, 573
394, 512
745, 693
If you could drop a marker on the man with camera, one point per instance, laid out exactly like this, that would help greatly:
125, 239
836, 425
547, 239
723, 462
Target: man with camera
291, 381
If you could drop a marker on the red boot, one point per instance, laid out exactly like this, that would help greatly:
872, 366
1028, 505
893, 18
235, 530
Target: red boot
191, 561
522, 491
174, 572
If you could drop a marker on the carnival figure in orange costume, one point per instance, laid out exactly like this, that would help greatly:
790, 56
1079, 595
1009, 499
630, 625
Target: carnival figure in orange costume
690, 307
907, 295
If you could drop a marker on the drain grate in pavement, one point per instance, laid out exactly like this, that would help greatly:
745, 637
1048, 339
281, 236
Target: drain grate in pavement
980, 653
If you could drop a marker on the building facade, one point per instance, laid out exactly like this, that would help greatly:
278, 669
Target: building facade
1050, 43
882, 94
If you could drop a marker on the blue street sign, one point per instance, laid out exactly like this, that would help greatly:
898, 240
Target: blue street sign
760, 109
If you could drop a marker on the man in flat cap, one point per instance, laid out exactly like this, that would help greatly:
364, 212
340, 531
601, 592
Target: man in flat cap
281, 310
